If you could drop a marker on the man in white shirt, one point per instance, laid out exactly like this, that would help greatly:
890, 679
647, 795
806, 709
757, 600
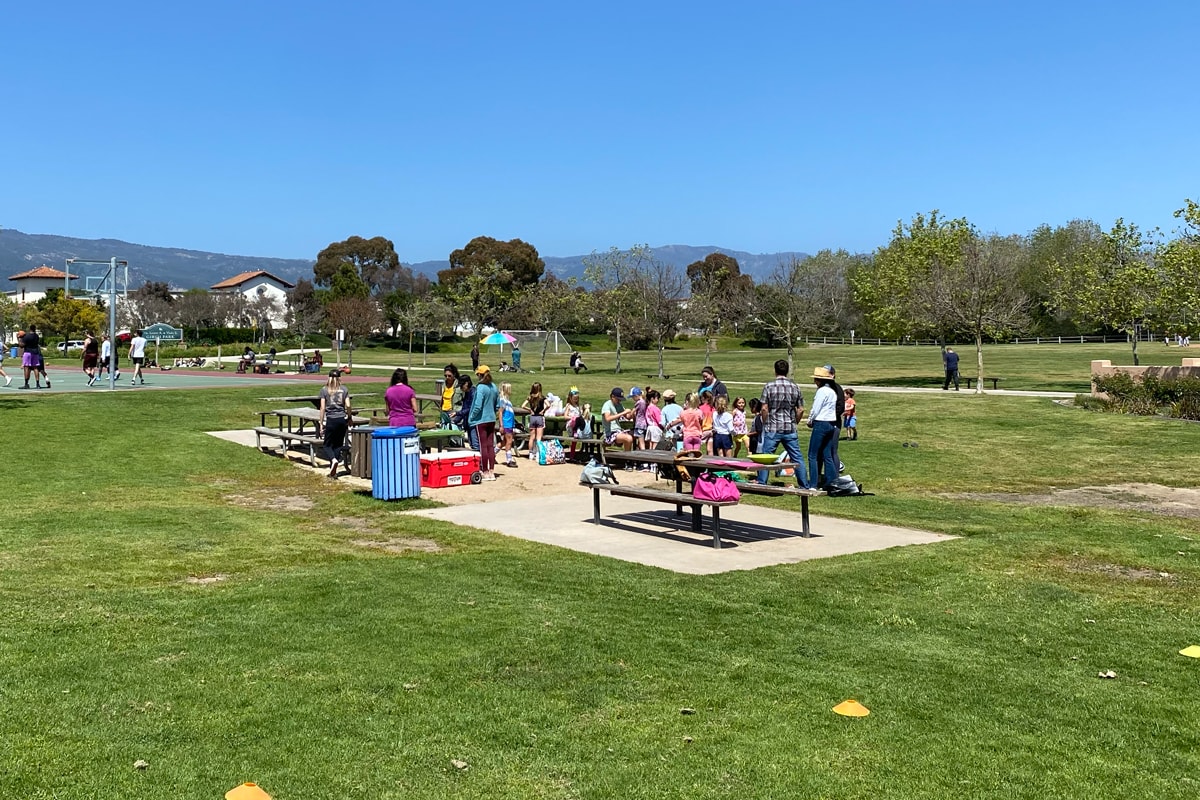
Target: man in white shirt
823, 420
137, 354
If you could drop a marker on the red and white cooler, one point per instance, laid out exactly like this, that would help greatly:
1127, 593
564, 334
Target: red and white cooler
453, 468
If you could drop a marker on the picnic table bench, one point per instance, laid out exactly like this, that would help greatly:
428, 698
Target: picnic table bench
993, 380
680, 497
677, 499
287, 439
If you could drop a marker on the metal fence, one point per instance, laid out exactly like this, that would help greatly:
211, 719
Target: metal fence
1095, 339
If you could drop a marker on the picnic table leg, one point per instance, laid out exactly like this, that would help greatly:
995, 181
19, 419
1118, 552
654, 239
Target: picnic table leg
807, 532
696, 526
595, 505
716, 527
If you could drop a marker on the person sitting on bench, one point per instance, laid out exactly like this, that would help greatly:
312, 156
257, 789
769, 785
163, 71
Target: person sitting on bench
577, 362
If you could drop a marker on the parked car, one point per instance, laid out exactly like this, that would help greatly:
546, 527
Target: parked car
73, 344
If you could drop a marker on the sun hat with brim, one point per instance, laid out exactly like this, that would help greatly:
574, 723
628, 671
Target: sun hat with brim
822, 374
482, 368
668, 394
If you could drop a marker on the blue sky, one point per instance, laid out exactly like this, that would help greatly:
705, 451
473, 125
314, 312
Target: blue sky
273, 129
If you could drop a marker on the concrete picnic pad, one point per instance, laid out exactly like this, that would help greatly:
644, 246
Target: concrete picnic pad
651, 534
546, 504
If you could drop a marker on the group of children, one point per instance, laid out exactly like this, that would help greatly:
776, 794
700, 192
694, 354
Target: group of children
703, 423
706, 424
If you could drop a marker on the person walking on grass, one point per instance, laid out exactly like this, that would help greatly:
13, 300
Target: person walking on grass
783, 406
335, 419
850, 416
3, 374
91, 357
137, 354
950, 364
475, 356
482, 418
822, 442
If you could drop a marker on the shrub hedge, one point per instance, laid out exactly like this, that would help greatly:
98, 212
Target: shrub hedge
1152, 395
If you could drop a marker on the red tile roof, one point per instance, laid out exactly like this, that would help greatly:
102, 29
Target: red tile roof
239, 279
41, 272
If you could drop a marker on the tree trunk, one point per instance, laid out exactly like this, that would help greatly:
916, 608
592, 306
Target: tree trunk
661, 347
545, 347
618, 367
979, 361
1135, 355
424, 348
707, 349
410, 340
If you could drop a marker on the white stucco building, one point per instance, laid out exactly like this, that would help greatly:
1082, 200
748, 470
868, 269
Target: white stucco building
31, 286
256, 284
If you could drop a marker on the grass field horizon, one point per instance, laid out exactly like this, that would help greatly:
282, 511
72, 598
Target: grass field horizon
214, 611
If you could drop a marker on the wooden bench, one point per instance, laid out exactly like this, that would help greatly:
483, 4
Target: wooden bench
287, 439
993, 380
660, 377
677, 499
785, 491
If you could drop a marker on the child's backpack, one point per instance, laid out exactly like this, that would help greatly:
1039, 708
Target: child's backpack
844, 486
551, 452
597, 474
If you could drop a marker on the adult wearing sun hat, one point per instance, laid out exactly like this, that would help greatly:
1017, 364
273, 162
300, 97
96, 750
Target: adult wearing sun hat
822, 418
482, 418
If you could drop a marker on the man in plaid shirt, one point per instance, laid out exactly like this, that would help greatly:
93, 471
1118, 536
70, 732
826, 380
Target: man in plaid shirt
785, 407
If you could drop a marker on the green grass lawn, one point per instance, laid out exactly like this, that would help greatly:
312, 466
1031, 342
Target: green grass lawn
1044, 367
320, 668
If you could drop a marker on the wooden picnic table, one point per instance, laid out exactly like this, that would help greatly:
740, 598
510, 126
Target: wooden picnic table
315, 399
295, 420
680, 497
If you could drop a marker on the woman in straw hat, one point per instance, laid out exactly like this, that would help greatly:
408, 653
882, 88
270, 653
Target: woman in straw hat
823, 420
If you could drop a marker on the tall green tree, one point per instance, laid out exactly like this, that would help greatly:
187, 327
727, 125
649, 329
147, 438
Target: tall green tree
304, 310
480, 297
978, 294
1179, 261
804, 296
519, 260
614, 276
884, 288
720, 295
1047, 246
373, 261
1113, 283
552, 305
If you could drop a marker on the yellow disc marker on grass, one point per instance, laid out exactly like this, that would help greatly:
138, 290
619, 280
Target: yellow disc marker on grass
851, 708
1191, 652
247, 791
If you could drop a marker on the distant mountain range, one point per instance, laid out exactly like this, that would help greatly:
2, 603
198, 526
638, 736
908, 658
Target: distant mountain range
188, 269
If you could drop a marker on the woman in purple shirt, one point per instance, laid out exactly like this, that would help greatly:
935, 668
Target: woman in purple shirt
399, 399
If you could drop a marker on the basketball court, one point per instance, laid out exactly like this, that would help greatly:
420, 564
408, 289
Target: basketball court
73, 380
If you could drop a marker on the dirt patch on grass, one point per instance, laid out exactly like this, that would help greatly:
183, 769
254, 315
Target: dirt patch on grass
1144, 497
355, 524
1115, 571
270, 501
399, 544
206, 580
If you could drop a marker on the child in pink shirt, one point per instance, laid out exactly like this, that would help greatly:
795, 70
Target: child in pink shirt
693, 423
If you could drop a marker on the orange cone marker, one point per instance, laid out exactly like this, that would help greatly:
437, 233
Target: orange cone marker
851, 708
1191, 652
247, 791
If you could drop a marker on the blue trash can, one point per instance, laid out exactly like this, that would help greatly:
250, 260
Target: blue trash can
12, 353
395, 463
